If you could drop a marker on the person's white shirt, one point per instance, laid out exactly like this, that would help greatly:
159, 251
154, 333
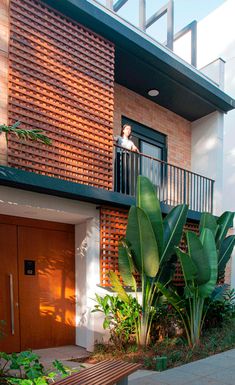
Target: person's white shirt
124, 143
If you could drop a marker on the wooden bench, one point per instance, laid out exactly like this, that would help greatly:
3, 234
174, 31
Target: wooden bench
108, 372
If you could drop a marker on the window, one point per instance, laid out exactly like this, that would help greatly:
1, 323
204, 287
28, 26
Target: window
153, 145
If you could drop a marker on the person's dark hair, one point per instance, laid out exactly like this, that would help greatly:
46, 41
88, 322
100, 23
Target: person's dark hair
123, 128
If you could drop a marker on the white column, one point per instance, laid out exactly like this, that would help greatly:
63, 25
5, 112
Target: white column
87, 242
207, 152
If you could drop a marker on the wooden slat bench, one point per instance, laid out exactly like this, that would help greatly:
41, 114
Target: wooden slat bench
108, 372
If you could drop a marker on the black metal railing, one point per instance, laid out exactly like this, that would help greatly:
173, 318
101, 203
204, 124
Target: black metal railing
174, 185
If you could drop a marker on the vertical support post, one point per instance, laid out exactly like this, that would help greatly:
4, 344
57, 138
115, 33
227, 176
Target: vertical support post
109, 4
170, 24
212, 196
142, 14
194, 44
185, 188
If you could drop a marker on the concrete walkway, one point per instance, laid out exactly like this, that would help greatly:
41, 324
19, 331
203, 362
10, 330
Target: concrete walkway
61, 353
215, 370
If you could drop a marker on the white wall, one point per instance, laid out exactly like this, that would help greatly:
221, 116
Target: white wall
216, 39
207, 152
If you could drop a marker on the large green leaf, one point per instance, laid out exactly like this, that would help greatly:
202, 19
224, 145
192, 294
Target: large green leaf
117, 286
147, 200
196, 252
189, 269
208, 221
225, 252
142, 241
126, 264
225, 222
172, 296
210, 254
173, 225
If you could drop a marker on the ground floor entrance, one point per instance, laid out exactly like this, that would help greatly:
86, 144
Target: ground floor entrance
37, 283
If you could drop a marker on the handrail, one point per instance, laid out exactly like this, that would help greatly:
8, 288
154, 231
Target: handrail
163, 161
174, 185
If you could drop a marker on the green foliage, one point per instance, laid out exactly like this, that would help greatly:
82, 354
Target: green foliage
221, 309
34, 134
28, 369
202, 266
120, 317
224, 243
148, 249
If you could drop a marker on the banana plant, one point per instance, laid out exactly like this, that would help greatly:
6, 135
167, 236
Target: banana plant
200, 271
202, 266
147, 249
224, 244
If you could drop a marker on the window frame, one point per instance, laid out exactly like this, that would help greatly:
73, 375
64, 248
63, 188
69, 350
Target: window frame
149, 135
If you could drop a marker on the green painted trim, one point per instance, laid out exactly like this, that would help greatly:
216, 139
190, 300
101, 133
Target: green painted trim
145, 49
31, 181
25, 180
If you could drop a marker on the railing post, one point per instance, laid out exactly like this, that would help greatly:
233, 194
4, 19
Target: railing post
185, 189
212, 196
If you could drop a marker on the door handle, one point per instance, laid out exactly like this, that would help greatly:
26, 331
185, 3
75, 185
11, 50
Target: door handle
12, 304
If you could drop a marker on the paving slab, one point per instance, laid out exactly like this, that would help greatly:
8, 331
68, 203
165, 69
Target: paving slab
61, 353
215, 370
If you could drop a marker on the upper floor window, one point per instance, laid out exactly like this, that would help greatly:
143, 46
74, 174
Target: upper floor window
150, 142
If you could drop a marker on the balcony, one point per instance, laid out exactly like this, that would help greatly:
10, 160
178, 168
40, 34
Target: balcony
174, 185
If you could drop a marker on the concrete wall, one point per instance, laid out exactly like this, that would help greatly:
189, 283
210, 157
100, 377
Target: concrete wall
4, 38
207, 152
142, 110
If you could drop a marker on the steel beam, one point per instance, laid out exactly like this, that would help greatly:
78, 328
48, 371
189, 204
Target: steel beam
109, 4
119, 4
192, 27
170, 24
157, 15
142, 14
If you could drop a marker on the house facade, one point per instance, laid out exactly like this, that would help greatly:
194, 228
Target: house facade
78, 71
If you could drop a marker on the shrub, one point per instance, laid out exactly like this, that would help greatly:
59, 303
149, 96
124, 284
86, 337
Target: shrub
28, 370
119, 318
220, 311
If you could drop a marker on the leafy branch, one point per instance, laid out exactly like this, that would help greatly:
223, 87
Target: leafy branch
35, 134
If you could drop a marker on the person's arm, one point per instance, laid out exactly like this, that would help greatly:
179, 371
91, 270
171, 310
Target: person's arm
134, 148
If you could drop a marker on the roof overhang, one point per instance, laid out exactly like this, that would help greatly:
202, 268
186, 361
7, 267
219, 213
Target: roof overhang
142, 64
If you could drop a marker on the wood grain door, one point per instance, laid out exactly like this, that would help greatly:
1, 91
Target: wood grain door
47, 295
9, 301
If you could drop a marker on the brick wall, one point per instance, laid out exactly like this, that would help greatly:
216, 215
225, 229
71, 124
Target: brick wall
142, 110
61, 78
4, 38
113, 223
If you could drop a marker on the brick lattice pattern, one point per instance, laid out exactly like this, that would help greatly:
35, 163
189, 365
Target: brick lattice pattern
61, 80
112, 227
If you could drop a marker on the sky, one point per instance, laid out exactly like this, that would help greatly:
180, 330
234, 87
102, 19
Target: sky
185, 11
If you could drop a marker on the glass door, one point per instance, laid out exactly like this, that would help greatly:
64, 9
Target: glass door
150, 167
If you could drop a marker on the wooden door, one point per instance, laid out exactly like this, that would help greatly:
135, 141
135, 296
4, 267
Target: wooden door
9, 301
47, 295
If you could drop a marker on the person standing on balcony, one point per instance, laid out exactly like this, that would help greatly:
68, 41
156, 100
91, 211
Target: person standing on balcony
124, 139
124, 159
